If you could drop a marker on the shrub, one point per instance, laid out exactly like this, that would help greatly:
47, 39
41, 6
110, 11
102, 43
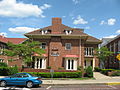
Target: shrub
89, 72
5, 71
105, 71
58, 74
97, 69
117, 73
3, 64
49, 67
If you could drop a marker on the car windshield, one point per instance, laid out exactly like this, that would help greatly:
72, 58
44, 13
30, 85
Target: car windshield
32, 75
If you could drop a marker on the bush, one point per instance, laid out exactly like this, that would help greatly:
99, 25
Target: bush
89, 72
105, 71
3, 64
59, 74
49, 67
5, 71
97, 69
116, 73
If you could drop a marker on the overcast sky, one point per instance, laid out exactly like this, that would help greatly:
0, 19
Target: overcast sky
99, 18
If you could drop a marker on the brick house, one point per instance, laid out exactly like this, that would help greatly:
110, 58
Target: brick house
3, 45
66, 47
113, 45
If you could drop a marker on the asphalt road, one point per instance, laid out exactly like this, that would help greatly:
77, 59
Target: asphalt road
67, 87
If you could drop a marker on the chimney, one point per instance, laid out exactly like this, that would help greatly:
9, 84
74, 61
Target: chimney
56, 21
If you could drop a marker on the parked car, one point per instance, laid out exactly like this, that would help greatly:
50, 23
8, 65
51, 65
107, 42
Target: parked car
21, 79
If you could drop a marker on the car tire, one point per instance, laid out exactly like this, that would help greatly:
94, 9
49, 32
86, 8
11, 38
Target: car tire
29, 84
3, 83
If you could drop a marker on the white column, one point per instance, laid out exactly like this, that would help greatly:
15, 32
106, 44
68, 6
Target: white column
42, 63
93, 63
70, 64
66, 64
75, 65
39, 63
35, 63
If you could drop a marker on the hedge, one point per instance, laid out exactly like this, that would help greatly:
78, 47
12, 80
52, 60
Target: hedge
97, 69
5, 71
105, 71
58, 74
88, 72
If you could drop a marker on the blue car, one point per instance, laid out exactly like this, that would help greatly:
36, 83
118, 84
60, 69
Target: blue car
21, 79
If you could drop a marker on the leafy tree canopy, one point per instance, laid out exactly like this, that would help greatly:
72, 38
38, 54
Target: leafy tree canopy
24, 50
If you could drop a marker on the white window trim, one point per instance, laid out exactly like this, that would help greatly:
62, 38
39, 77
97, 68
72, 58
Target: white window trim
70, 46
41, 45
43, 63
87, 51
74, 64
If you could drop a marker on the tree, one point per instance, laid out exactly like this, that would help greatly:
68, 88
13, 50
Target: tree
24, 51
103, 53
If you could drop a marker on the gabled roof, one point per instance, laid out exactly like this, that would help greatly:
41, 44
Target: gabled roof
12, 40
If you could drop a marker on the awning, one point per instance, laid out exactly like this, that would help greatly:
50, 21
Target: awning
43, 55
71, 56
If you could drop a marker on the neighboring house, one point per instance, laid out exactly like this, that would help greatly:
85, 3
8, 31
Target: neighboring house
3, 45
114, 46
66, 47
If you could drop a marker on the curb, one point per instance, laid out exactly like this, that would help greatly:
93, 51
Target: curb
114, 83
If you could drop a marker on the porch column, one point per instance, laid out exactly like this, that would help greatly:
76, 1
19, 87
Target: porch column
66, 64
35, 63
93, 63
38, 63
75, 65
43, 63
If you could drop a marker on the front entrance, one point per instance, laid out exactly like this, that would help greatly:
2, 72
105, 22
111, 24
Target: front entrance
40, 63
71, 64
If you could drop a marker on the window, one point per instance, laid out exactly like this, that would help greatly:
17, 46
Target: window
71, 64
43, 45
68, 46
89, 51
44, 32
1, 60
68, 32
40, 63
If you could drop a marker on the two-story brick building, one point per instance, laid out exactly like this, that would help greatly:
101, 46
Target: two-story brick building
3, 45
65, 47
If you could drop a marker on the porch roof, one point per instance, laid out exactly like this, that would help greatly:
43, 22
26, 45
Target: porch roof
71, 56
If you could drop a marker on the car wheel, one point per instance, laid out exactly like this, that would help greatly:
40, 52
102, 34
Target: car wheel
3, 83
29, 84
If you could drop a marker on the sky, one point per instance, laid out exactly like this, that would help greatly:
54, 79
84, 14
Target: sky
98, 18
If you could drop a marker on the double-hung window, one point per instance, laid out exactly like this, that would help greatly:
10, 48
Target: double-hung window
68, 46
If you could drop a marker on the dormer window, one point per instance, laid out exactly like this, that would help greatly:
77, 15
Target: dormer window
44, 32
67, 32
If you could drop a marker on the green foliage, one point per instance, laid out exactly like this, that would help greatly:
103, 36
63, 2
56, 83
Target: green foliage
116, 73
105, 71
89, 72
5, 71
58, 74
79, 68
24, 50
49, 67
103, 53
3, 64
97, 69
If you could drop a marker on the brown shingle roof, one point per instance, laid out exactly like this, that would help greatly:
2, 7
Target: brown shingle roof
12, 40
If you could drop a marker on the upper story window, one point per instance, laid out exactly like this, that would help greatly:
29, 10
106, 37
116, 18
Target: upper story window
43, 45
68, 46
67, 32
89, 51
1, 60
44, 32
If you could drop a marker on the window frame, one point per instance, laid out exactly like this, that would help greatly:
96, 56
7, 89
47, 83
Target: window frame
66, 46
41, 46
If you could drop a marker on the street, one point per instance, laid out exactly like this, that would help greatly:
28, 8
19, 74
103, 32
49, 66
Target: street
67, 87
